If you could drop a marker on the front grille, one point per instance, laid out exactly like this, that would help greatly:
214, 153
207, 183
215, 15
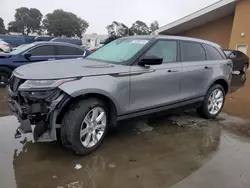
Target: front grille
15, 82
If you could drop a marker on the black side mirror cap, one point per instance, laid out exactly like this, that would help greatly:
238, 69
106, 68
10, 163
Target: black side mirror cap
27, 56
150, 60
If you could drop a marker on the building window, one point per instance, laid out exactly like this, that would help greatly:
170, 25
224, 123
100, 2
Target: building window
242, 48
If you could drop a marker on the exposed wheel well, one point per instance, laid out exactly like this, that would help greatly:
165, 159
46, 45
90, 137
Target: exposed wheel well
110, 104
6, 67
223, 83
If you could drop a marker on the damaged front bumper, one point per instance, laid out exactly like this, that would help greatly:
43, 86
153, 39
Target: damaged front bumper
39, 108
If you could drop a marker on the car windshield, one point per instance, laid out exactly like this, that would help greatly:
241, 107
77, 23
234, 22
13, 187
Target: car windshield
22, 48
119, 50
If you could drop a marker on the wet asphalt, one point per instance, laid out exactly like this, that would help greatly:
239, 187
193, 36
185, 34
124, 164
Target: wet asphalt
179, 150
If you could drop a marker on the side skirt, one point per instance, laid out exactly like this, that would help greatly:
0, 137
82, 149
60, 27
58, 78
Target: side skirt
159, 109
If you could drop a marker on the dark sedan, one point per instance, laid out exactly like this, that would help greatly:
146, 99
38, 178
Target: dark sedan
37, 52
240, 60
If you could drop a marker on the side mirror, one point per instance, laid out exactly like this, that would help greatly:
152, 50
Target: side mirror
151, 60
27, 56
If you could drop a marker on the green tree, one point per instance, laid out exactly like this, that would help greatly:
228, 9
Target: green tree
117, 29
2, 27
154, 26
62, 23
26, 21
140, 28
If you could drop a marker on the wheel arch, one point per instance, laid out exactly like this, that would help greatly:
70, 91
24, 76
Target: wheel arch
107, 100
6, 66
222, 82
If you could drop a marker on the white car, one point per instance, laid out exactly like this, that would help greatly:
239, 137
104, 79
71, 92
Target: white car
4, 46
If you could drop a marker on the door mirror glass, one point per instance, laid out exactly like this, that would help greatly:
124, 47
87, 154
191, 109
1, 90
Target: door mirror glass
151, 60
27, 56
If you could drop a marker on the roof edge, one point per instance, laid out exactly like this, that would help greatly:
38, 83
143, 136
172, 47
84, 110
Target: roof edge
194, 15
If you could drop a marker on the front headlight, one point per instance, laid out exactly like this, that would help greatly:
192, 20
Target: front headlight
43, 84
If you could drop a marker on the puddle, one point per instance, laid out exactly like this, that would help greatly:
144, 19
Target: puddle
156, 158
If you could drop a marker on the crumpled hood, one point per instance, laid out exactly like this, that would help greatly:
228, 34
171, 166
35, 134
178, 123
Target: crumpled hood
67, 69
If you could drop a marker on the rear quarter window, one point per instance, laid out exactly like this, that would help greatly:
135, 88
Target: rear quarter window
212, 53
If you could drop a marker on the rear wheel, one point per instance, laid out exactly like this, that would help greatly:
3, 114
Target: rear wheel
213, 102
5, 74
85, 125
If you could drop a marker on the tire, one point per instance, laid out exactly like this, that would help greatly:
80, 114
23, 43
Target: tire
244, 69
5, 74
74, 121
204, 109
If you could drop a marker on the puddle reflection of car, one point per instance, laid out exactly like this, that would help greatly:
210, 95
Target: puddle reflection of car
37, 52
240, 60
129, 77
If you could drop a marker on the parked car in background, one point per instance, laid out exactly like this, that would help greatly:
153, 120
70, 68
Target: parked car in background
13, 40
4, 46
37, 52
43, 38
67, 40
129, 77
240, 60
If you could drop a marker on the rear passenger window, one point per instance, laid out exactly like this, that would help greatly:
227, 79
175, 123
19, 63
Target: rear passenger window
212, 53
164, 49
69, 50
191, 51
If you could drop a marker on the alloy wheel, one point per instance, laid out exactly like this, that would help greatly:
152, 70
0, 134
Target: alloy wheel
93, 127
215, 101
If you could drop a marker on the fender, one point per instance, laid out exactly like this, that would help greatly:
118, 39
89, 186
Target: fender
116, 89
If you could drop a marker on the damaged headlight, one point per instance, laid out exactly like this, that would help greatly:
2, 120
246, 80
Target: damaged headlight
43, 84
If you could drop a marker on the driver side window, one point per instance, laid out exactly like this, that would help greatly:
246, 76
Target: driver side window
164, 49
46, 50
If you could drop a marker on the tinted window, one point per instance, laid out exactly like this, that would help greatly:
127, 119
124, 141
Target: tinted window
43, 51
165, 49
212, 53
69, 50
192, 52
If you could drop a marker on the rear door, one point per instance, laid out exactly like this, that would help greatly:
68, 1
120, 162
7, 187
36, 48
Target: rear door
197, 70
69, 52
157, 85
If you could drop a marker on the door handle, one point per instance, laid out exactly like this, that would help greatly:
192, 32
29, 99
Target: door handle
172, 70
206, 67
51, 59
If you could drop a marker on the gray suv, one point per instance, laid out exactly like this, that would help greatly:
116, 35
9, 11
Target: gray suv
77, 100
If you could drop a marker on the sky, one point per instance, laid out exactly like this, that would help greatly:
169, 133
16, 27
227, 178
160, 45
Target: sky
100, 13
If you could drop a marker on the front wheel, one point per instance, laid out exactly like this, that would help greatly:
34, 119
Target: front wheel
213, 102
85, 125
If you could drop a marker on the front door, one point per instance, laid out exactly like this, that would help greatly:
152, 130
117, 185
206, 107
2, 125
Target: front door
37, 54
157, 85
